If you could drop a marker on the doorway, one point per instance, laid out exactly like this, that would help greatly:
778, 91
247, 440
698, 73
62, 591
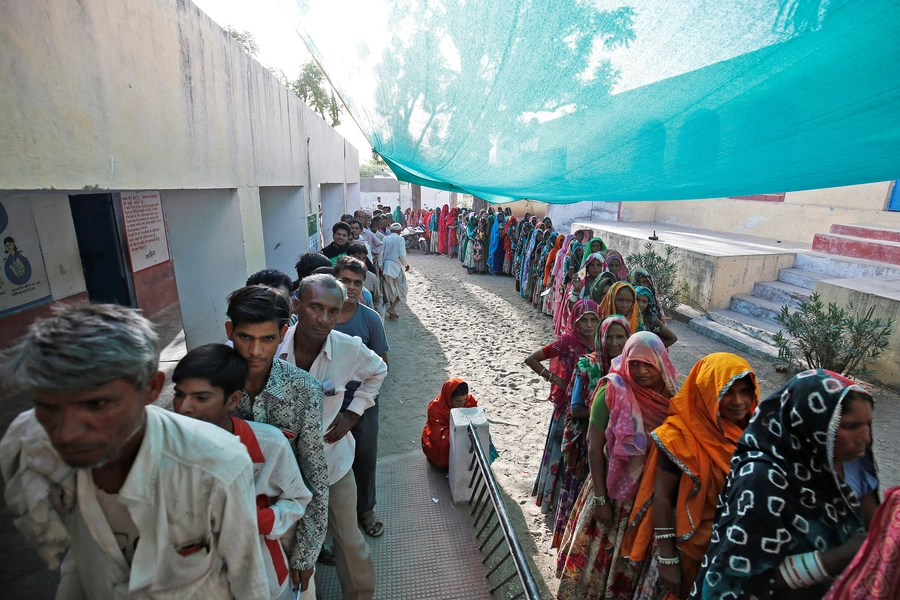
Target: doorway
99, 243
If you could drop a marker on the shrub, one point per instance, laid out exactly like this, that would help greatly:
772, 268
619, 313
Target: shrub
833, 338
663, 270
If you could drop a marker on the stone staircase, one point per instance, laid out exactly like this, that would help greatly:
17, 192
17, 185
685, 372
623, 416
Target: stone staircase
860, 241
749, 324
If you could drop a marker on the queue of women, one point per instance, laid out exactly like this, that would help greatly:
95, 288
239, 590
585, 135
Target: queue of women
665, 486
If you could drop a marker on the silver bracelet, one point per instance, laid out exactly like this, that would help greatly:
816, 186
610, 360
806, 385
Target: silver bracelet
668, 561
665, 536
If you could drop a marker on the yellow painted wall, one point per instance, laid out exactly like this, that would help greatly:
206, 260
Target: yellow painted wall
797, 219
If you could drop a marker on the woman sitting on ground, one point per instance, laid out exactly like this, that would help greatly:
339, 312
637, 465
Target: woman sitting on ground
436, 435
787, 521
692, 453
646, 303
629, 403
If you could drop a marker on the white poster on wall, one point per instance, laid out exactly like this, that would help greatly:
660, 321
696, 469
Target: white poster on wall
23, 279
145, 229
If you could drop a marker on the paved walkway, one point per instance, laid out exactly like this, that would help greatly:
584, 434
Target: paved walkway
428, 549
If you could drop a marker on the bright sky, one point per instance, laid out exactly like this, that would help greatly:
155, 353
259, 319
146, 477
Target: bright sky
279, 46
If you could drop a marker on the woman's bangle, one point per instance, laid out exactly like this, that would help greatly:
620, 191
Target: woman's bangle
601, 500
668, 561
665, 536
803, 570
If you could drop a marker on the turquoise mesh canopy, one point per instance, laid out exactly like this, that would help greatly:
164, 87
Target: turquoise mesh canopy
569, 100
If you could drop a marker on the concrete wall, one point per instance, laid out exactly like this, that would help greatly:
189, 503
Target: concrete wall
712, 276
797, 219
883, 293
103, 96
285, 236
563, 215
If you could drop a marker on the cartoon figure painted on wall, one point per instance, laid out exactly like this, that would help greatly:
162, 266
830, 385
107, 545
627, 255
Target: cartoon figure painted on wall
16, 267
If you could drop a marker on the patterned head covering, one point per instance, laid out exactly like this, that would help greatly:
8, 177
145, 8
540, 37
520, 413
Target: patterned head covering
634, 411
782, 495
608, 306
588, 259
622, 273
655, 305
604, 279
600, 341
700, 442
570, 346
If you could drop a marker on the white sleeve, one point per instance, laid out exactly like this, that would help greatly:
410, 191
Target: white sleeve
233, 506
371, 371
286, 489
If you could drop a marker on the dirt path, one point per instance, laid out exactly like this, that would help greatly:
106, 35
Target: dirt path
476, 327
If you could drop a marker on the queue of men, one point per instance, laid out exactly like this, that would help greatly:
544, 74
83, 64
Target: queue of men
272, 441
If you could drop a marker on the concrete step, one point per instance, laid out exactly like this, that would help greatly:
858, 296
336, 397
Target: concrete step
801, 278
737, 340
857, 247
755, 328
781, 293
871, 232
840, 266
756, 307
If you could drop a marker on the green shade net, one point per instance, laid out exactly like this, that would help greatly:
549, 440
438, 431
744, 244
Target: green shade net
568, 100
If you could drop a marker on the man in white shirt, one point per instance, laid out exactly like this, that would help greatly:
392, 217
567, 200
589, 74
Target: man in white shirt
141, 502
336, 359
395, 265
209, 381
373, 243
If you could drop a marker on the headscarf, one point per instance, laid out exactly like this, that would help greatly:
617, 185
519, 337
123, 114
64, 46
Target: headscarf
782, 496
558, 265
551, 258
398, 215
442, 230
570, 254
571, 346
495, 257
696, 438
655, 304
608, 306
590, 368
508, 232
469, 238
527, 260
634, 411
622, 273
875, 570
605, 276
648, 293
588, 259
438, 423
591, 243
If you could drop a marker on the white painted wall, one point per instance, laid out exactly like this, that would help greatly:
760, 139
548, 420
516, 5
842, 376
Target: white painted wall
353, 200
206, 241
285, 236
333, 207
432, 198
56, 233
563, 215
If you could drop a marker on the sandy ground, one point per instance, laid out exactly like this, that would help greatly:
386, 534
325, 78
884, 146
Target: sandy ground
478, 328
471, 326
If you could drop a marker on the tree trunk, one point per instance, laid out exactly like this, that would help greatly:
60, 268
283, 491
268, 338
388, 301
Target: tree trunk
416, 197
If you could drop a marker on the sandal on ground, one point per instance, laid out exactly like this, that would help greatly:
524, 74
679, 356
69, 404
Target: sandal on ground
393, 315
371, 524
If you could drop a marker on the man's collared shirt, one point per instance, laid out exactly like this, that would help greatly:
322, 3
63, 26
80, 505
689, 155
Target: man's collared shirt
190, 496
292, 401
342, 359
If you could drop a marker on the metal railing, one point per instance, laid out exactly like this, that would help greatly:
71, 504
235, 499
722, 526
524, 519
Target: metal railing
493, 510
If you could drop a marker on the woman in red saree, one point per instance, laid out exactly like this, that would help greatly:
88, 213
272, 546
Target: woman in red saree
436, 435
442, 233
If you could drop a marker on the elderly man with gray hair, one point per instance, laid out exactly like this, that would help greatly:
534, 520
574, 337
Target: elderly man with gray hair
135, 500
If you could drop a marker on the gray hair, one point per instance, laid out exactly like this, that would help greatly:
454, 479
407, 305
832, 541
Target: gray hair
326, 281
82, 347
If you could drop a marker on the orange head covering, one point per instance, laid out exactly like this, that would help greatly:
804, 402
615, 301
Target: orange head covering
701, 442
435, 436
551, 258
608, 307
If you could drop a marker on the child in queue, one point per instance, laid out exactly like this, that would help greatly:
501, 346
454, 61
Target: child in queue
208, 383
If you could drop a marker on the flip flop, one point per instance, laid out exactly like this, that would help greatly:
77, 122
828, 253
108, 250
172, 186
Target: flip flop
373, 526
393, 315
